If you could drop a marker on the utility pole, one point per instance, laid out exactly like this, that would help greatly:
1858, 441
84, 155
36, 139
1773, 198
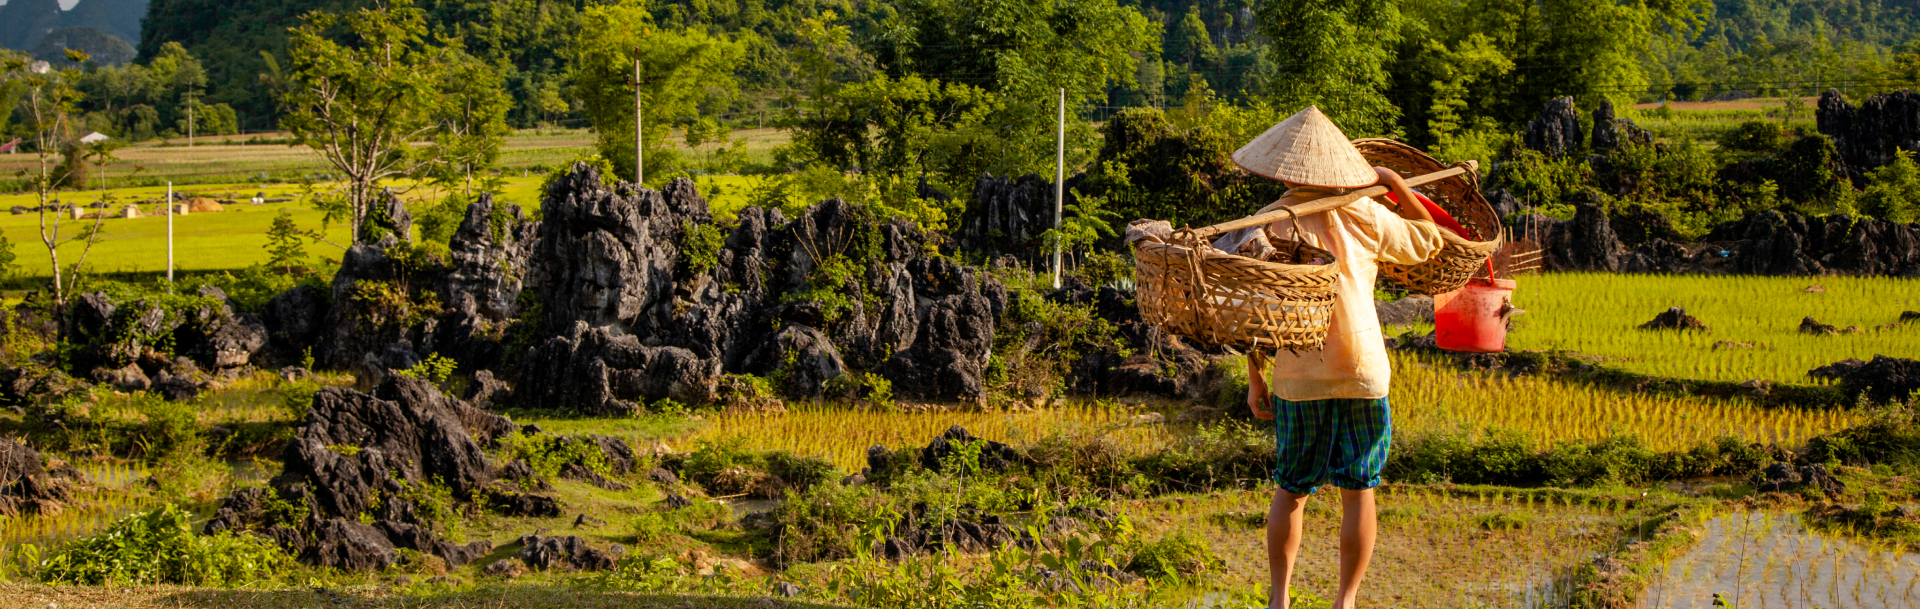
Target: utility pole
639, 124
169, 236
189, 120
1059, 182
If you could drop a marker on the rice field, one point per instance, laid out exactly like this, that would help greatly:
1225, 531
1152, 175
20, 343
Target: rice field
1432, 398
1753, 322
1760, 559
842, 435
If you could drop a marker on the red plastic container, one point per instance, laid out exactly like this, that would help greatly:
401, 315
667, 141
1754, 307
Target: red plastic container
1473, 319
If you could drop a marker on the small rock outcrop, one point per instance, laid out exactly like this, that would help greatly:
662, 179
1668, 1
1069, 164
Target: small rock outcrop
568, 552
1882, 380
1784, 477
1675, 318
364, 456
25, 486
1809, 326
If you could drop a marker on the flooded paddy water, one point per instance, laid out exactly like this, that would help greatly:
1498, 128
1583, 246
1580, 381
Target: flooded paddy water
1761, 560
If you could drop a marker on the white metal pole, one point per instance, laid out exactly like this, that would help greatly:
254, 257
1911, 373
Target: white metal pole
640, 143
169, 234
1059, 182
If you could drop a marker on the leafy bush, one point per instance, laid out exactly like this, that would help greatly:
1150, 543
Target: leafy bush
1893, 190
824, 522
157, 548
547, 453
1176, 554
700, 250
724, 466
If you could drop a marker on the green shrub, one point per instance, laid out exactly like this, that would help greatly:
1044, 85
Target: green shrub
724, 466
795, 472
1893, 190
547, 453
825, 522
700, 250
1178, 553
168, 429
157, 548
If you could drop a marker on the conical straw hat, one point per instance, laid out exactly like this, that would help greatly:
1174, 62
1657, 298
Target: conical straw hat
1308, 149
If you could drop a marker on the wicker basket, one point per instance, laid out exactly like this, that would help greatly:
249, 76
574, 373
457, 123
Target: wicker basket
1463, 257
1222, 299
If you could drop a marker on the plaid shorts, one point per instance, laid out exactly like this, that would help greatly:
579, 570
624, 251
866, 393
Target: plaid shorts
1343, 441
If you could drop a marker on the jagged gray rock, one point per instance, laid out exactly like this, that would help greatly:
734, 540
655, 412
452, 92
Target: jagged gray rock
1556, 129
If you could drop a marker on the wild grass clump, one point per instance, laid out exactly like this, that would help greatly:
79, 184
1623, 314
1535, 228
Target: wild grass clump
725, 467
158, 548
826, 522
1177, 554
652, 528
548, 453
1507, 458
1891, 438
1229, 454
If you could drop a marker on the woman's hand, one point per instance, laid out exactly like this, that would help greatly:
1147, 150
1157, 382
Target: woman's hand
1257, 397
1410, 207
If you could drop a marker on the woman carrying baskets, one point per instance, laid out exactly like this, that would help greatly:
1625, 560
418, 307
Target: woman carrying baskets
1332, 423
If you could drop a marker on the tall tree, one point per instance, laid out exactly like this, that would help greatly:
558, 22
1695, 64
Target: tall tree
48, 113
681, 70
1334, 54
363, 88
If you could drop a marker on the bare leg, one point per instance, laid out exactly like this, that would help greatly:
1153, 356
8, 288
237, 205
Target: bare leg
1284, 524
1357, 533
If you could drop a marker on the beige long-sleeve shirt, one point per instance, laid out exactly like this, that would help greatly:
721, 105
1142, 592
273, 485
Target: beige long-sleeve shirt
1354, 363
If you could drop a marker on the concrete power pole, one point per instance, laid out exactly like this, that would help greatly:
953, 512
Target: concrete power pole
189, 119
639, 127
169, 235
1059, 182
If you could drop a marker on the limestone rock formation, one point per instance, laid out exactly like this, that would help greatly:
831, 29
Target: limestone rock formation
1868, 135
1556, 130
357, 447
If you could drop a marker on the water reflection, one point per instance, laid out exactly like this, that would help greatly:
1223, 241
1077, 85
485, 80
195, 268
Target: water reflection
1757, 560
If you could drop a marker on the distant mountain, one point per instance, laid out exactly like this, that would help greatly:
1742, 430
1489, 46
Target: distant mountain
23, 23
105, 49
118, 17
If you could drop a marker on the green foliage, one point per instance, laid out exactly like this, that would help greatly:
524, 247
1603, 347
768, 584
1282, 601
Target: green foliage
824, 522
157, 547
1087, 224
284, 247
1334, 55
362, 87
1893, 190
1061, 333
434, 369
1504, 458
548, 453
1539, 180
682, 70
1151, 167
910, 126
1177, 554
1755, 137
700, 247
830, 285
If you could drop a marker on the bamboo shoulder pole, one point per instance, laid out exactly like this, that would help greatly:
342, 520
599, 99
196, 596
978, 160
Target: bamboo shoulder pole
1275, 212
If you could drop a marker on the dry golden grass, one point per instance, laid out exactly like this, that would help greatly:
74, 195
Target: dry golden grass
842, 435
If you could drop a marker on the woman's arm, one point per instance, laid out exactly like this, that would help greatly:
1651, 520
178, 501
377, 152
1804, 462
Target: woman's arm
1410, 207
1257, 396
